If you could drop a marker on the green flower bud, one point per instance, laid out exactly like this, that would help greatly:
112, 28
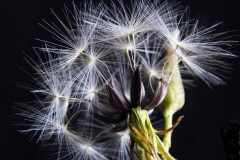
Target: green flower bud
175, 96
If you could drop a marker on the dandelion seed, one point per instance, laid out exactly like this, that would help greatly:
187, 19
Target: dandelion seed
121, 21
199, 43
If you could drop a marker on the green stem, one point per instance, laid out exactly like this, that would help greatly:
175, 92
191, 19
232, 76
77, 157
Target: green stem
168, 123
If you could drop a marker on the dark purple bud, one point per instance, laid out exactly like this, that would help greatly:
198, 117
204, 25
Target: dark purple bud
117, 97
157, 97
107, 108
137, 89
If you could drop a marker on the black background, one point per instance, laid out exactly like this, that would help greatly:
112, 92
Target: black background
206, 110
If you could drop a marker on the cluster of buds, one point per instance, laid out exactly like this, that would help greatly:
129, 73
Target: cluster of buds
109, 69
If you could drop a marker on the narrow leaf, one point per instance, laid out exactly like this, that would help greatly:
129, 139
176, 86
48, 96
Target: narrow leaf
170, 129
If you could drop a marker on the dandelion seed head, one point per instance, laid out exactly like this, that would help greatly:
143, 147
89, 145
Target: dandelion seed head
108, 59
152, 72
175, 40
129, 47
80, 51
88, 151
92, 60
124, 136
88, 147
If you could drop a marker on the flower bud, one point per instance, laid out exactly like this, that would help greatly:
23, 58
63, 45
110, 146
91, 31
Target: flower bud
175, 96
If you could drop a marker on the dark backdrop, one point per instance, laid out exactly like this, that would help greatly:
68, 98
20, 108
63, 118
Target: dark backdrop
206, 110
